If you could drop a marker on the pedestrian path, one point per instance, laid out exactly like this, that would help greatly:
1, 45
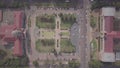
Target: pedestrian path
57, 33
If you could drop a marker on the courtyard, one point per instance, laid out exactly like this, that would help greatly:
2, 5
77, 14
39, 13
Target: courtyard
54, 33
50, 33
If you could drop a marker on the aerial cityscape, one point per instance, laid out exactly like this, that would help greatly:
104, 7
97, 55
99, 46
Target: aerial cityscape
59, 33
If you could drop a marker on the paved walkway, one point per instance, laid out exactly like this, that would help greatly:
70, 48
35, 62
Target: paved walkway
57, 33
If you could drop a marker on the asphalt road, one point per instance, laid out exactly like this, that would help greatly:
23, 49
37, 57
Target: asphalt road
84, 45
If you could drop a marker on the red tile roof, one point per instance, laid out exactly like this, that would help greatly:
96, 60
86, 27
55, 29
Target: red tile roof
6, 32
108, 44
109, 23
110, 34
18, 19
17, 48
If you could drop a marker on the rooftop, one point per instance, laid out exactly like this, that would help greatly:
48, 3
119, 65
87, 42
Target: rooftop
108, 14
7, 29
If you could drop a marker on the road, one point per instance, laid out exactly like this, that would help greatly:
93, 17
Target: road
84, 42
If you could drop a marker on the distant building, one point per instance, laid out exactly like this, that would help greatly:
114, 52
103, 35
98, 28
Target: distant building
107, 53
7, 33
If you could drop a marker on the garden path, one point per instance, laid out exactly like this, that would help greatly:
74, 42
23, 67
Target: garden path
57, 34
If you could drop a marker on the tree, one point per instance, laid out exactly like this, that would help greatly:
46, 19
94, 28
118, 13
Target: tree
36, 64
95, 64
2, 54
92, 22
117, 63
24, 61
74, 64
14, 62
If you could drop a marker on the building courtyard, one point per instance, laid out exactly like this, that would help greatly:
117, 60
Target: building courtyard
51, 35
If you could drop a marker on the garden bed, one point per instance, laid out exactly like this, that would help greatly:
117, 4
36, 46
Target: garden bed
46, 21
67, 20
45, 45
66, 46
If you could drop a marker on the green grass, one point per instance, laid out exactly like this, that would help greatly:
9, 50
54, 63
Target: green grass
65, 5
9, 51
46, 21
29, 22
48, 34
93, 21
67, 20
66, 46
94, 43
46, 45
65, 26
44, 4
65, 34
94, 48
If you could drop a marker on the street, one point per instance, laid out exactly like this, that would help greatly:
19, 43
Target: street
84, 44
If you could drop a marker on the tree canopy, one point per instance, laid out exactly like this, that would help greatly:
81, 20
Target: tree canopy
95, 64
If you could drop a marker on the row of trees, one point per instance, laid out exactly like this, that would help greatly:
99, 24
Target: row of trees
14, 62
71, 64
45, 42
47, 18
26, 3
71, 18
102, 3
95, 64
93, 22
74, 64
14, 5
48, 42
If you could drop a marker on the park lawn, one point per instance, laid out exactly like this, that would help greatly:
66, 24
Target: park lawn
45, 25
46, 21
65, 25
65, 33
94, 44
48, 34
66, 46
45, 45
94, 48
63, 5
44, 4
93, 21
67, 20
45, 49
